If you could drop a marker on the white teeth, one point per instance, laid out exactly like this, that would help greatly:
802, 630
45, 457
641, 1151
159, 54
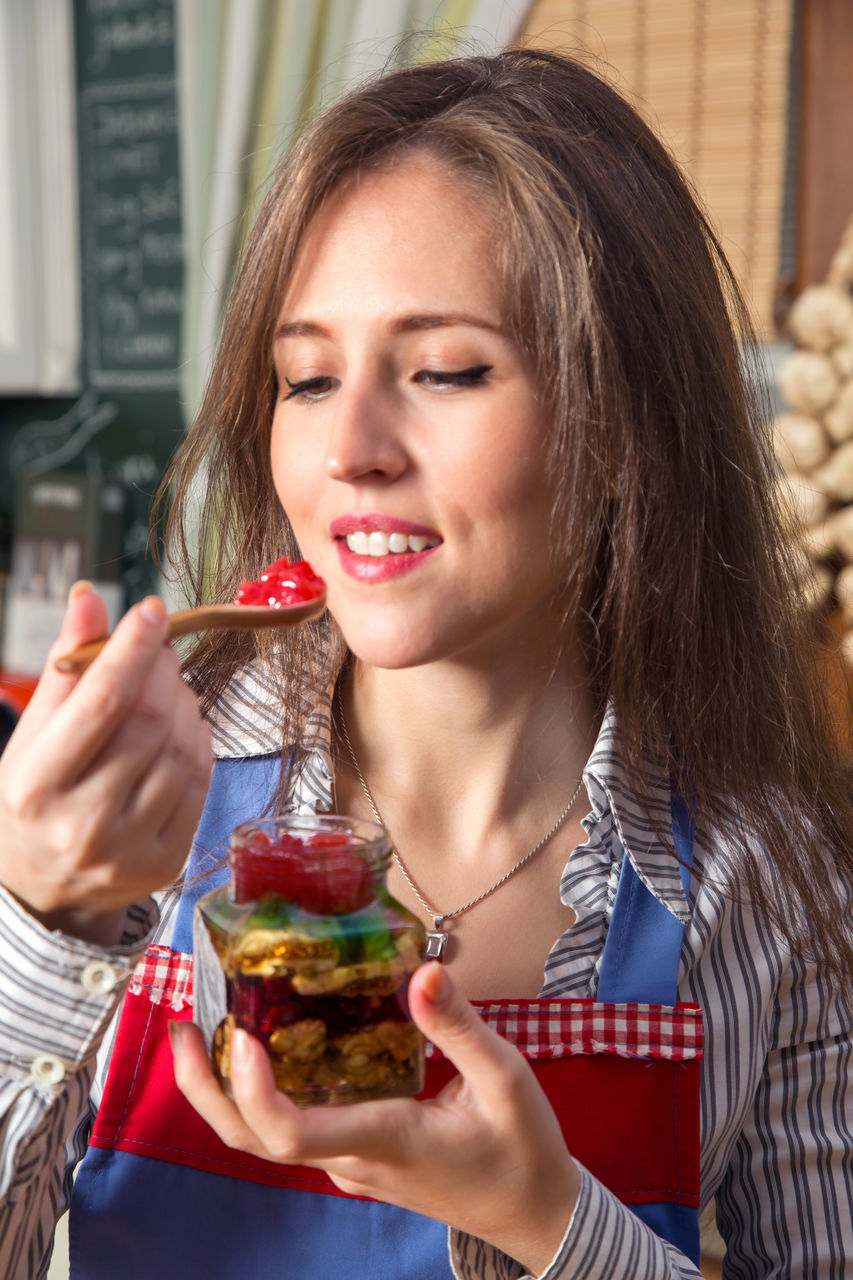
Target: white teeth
377, 543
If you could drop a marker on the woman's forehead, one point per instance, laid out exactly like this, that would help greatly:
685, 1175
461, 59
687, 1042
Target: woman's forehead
404, 237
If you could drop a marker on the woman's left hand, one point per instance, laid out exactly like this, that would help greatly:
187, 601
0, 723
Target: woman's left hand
486, 1156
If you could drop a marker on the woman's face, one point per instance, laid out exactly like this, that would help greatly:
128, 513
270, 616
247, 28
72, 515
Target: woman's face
408, 444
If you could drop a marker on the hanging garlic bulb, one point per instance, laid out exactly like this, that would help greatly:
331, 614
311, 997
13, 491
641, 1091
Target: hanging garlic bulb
813, 439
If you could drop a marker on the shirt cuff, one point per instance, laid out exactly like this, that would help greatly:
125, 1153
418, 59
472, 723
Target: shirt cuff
603, 1238
58, 993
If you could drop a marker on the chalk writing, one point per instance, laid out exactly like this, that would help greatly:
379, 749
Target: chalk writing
48, 445
132, 122
137, 469
132, 222
121, 35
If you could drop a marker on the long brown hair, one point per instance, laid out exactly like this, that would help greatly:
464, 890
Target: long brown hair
665, 523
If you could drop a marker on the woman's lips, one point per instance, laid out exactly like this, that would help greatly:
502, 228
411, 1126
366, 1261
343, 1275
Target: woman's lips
380, 568
373, 548
367, 522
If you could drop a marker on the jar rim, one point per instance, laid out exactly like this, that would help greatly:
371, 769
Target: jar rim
368, 838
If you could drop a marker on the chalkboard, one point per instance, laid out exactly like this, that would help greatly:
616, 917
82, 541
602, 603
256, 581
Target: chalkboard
129, 194
128, 420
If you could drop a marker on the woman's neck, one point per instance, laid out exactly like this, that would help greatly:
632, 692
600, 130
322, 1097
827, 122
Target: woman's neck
484, 756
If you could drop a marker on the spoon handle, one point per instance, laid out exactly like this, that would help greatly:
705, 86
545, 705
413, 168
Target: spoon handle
205, 618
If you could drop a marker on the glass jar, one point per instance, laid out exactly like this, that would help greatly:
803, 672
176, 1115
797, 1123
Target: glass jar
306, 950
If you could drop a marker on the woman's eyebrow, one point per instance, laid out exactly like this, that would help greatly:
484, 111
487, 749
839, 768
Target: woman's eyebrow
300, 329
443, 320
404, 324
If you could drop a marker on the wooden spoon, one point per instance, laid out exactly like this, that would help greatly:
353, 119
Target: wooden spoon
207, 616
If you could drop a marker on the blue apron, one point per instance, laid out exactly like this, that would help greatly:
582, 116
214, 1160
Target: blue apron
158, 1195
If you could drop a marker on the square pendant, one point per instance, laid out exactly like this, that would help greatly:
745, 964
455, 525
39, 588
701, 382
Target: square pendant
436, 942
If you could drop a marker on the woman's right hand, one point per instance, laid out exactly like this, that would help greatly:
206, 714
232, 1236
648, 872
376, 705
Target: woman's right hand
103, 781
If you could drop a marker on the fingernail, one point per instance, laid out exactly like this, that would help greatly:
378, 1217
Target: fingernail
153, 609
177, 1037
241, 1051
435, 986
80, 588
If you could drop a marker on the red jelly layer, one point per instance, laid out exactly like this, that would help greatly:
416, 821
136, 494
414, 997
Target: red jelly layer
284, 582
324, 875
262, 1005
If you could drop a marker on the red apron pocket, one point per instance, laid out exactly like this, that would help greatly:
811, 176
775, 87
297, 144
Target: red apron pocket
623, 1081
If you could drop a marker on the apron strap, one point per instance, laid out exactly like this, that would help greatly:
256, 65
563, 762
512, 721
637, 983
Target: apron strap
643, 945
240, 790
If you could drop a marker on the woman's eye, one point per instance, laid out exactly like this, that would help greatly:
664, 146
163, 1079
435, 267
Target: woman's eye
457, 378
309, 388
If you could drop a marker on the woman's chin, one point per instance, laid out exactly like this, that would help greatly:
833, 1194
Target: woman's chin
393, 648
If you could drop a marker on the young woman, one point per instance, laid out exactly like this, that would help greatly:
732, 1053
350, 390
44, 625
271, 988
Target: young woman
478, 367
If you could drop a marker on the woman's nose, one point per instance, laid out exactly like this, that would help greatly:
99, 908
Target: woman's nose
365, 440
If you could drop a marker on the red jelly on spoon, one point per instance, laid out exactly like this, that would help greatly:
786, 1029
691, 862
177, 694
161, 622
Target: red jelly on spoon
285, 595
284, 582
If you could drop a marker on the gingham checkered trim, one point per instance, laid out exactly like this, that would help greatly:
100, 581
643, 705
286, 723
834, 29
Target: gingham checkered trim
164, 976
561, 1028
539, 1028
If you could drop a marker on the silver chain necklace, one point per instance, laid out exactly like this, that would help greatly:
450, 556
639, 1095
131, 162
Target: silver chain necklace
436, 939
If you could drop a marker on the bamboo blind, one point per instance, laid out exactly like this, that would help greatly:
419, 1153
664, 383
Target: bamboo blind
712, 77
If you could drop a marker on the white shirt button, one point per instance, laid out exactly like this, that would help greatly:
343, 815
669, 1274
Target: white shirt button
99, 977
48, 1069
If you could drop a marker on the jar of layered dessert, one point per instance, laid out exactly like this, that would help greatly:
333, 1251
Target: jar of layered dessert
306, 950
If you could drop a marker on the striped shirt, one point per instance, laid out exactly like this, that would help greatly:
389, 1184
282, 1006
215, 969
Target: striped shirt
776, 1140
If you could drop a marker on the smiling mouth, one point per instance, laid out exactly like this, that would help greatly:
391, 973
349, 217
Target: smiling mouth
378, 543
